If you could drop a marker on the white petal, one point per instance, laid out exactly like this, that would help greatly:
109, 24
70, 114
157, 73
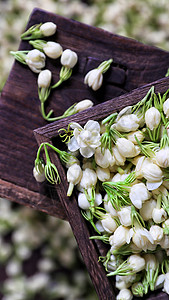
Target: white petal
153, 185
74, 125
92, 125
73, 145
87, 151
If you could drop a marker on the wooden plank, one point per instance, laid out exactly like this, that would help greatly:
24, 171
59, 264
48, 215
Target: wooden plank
134, 65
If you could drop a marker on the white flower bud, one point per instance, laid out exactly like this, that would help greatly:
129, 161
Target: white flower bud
136, 262
103, 174
162, 157
164, 243
99, 226
142, 238
74, 174
120, 237
82, 105
147, 209
124, 294
83, 202
160, 190
139, 135
39, 174
159, 282
69, 58
124, 215
156, 233
44, 79
48, 28
139, 194
89, 178
121, 284
104, 158
108, 223
127, 123
165, 223
109, 207
124, 111
166, 284
87, 165
119, 159
94, 79
126, 148
114, 263
35, 59
152, 118
119, 177
151, 261
53, 50
152, 173
159, 215
166, 107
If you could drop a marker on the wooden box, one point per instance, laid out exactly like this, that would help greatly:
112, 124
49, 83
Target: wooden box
91, 249
134, 65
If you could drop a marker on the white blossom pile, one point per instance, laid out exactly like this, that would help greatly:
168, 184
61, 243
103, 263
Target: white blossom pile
121, 174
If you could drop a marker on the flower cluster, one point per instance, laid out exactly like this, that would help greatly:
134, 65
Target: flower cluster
36, 59
121, 174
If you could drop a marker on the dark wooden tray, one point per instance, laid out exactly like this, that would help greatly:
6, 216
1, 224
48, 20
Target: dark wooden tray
90, 249
135, 64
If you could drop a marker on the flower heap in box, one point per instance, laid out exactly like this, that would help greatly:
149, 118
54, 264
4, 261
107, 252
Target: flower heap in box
120, 168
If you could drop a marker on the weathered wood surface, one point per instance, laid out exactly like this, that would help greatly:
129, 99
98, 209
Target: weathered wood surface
90, 249
134, 65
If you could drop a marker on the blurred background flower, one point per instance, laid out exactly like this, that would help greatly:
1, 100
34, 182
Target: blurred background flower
45, 263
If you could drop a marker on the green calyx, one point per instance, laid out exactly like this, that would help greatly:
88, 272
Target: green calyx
32, 33
118, 192
165, 139
105, 260
122, 270
105, 65
165, 203
65, 74
51, 172
109, 137
150, 278
147, 148
136, 219
144, 104
38, 44
104, 238
20, 56
138, 289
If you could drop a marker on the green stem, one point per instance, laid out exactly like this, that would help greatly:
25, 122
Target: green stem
46, 117
57, 83
54, 148
39, 150
46, 154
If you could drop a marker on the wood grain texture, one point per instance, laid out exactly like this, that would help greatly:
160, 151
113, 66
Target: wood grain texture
90, 249
134, 64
